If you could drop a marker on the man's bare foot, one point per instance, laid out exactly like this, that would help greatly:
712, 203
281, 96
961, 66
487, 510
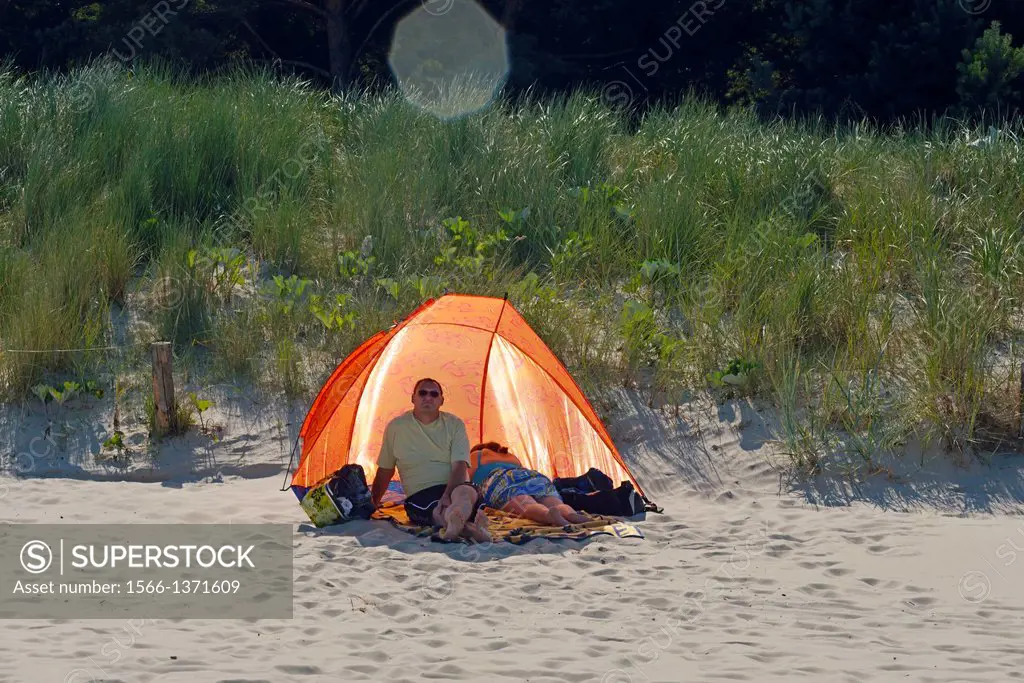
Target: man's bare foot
455, 517
479, 529
577, 518
482, 521
476, 533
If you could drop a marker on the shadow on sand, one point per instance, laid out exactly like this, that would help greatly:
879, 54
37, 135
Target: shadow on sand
938, 484
70, 443
713, 449
381, 533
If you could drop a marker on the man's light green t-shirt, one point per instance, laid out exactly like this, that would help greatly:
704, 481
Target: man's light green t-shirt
423, 453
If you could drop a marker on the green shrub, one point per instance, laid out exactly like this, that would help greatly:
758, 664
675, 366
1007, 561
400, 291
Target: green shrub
990, 74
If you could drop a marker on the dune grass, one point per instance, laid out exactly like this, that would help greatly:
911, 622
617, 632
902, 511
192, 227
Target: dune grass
867, 282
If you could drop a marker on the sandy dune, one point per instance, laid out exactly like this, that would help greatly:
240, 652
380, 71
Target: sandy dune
742, 578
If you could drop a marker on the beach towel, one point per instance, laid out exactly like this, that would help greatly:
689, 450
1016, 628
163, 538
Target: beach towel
506, 527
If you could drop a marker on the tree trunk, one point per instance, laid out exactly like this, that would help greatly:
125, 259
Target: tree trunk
339, 45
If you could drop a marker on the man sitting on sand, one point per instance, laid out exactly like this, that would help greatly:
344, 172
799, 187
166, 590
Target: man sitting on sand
430, 448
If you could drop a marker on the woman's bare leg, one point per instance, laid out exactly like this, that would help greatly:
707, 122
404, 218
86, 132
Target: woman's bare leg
560, 511
526, 506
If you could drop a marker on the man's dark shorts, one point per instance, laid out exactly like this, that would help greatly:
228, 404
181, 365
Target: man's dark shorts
420, 505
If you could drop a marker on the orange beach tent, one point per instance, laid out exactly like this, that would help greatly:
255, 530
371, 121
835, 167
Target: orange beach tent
497, 375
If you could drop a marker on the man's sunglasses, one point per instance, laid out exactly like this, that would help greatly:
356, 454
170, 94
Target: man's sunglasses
425, 392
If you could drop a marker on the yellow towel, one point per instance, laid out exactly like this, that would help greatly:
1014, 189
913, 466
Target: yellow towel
506, 527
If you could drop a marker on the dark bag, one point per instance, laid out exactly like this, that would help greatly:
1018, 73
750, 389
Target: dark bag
350, 493
343, 497
623, 501
593, 480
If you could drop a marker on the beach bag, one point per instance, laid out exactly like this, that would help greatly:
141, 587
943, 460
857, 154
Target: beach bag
623, 501
593, 480
340, 498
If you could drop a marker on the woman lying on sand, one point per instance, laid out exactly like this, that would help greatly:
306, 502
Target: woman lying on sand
506, 485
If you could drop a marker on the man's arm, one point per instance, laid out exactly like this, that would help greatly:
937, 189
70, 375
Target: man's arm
460, 473
380, 484
459, 455
386, 463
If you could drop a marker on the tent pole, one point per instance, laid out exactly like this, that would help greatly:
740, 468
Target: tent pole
290, 459
487, 360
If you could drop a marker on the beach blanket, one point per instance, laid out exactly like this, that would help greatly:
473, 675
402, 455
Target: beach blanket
506, 527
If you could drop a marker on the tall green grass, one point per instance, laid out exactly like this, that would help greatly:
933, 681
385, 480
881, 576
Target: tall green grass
869, 280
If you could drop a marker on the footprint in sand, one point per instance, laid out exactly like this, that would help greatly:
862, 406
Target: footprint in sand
596, 614
921, 602
298, 669
391, 609
658, 603
605, 572
778, 550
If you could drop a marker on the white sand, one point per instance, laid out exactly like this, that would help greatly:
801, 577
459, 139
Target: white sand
742, 578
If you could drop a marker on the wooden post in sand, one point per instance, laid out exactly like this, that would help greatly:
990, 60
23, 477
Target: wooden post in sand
1020, 414
163, 386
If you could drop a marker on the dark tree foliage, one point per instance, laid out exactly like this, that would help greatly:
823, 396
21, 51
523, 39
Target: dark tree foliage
886, 59
902, 58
